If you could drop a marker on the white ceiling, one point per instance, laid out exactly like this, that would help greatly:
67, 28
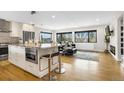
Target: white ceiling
56, 20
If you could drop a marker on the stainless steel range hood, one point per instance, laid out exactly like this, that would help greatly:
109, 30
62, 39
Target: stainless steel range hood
5, 26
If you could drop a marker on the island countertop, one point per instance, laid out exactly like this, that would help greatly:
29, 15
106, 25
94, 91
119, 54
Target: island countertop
31, 59
50, 45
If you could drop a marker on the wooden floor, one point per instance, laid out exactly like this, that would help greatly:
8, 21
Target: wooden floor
76, 69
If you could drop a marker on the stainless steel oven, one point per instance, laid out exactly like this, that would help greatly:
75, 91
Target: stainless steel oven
3, 51
31, 55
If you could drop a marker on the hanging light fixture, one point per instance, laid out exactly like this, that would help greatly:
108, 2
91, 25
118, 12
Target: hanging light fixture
33, 12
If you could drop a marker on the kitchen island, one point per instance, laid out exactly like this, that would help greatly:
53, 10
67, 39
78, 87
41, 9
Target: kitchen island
29, 58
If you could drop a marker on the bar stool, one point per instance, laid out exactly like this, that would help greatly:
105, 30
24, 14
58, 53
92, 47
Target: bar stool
50, 57
60, 69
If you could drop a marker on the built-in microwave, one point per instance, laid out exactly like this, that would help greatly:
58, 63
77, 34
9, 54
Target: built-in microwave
31, 55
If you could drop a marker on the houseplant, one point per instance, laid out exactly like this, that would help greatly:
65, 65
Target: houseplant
107, 41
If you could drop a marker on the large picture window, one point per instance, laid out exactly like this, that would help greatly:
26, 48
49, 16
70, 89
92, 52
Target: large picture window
46, 37
63, 37
86, 36
92, 37
81, 37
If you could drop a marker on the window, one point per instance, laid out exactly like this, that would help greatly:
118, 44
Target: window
28, 36
46, 37
81, 37
92, 37
67, 36
86, 36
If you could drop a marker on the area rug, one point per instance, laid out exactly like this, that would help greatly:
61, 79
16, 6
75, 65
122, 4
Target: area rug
91, 56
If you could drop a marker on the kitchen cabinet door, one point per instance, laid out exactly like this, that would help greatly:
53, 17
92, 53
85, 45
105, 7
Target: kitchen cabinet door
20, 57
16, 29
28, 27
17, 56
7, 26
1, 24
12, 55
32, 68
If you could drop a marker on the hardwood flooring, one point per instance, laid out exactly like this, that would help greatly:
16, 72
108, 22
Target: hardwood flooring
76, 69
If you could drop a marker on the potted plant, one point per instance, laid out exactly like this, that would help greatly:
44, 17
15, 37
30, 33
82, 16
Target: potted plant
107, 41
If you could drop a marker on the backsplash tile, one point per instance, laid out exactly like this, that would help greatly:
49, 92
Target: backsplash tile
5, 38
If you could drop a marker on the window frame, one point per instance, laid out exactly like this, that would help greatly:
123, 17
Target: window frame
88, 31
45, 33
61, 35
31, 35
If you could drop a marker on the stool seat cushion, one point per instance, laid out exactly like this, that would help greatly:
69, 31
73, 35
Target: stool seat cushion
55, 54
47, 55
52, 55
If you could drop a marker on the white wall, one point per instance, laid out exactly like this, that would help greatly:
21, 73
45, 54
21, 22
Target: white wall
114, 39
37, 31
99, 46
18, 28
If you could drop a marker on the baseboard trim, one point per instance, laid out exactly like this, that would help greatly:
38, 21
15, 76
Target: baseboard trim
115, 57
90, 50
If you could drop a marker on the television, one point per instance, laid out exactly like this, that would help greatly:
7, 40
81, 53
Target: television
107, 30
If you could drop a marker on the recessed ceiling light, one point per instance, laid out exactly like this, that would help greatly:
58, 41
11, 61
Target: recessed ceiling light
53, 16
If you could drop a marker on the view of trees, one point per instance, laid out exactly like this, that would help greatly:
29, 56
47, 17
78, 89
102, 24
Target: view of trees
46, 37
80, 37
92, 37
86, 37
63, 37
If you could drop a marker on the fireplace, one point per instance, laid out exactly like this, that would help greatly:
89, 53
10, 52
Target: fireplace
112, 49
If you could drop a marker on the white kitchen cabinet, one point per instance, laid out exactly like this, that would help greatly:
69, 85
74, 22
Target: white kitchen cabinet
20, 56
16, 29
11, 54
17, 56
32, 68
28, 27
5, 25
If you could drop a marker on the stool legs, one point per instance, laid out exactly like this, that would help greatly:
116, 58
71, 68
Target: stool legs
60, 70
50, 59
59, 64
49, 68
49, 71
